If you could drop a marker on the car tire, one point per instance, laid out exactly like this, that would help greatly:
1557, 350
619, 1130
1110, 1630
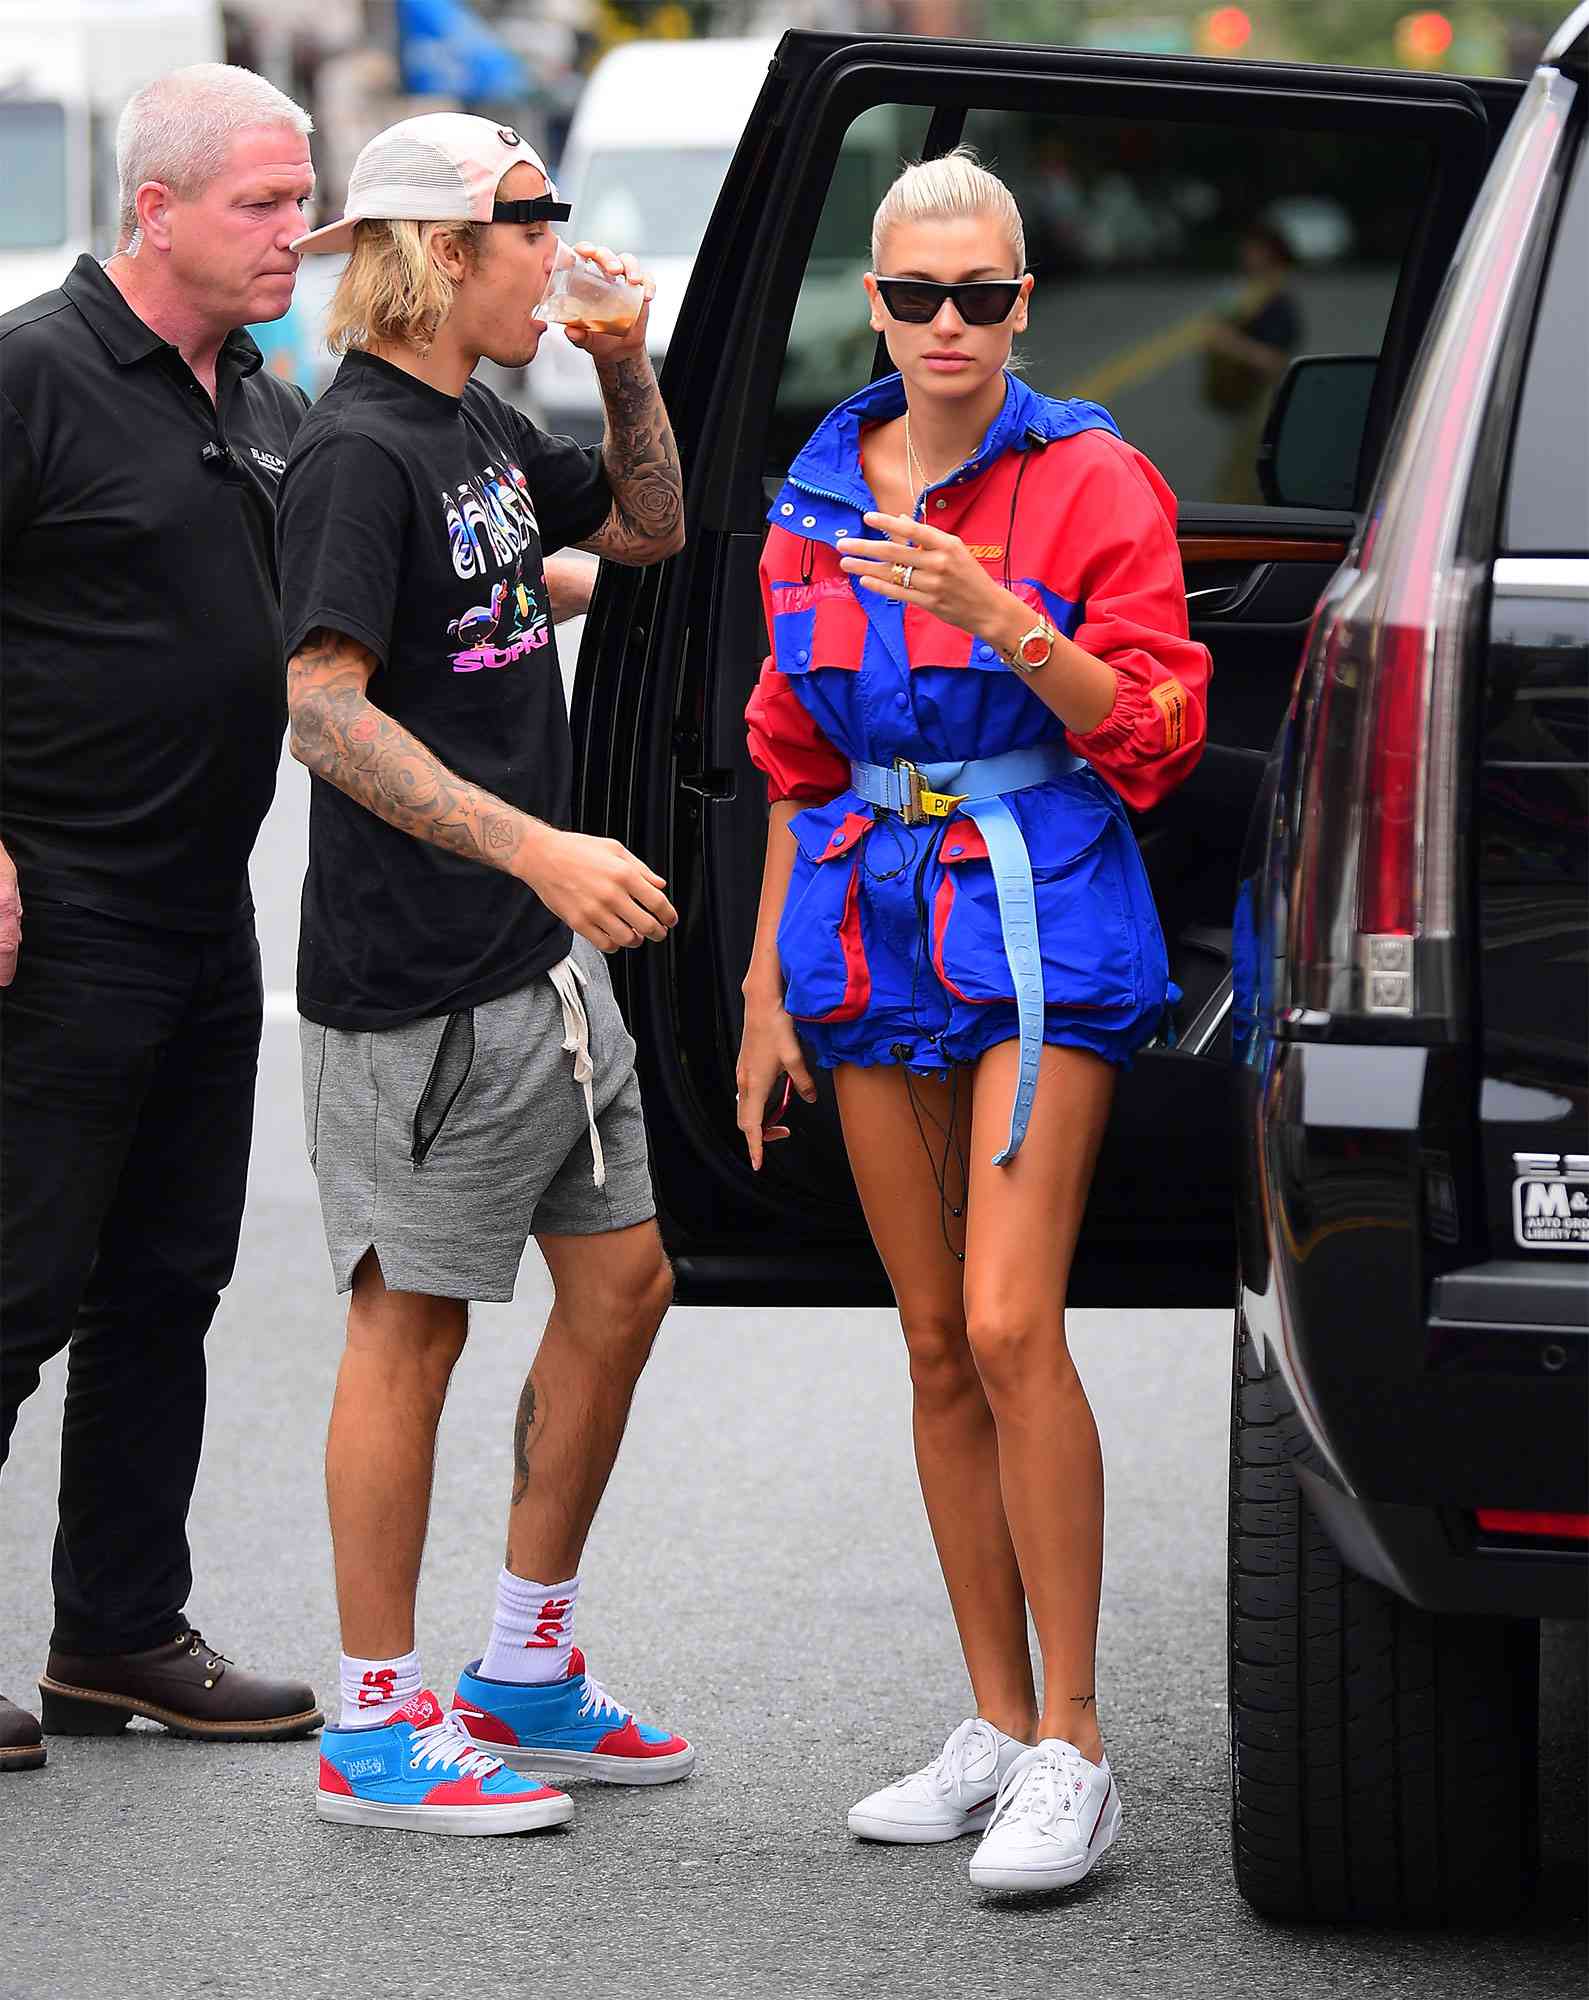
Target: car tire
1383, 1759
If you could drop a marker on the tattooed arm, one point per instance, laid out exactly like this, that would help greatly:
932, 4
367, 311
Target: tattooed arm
642, 461
596, 886
647, 519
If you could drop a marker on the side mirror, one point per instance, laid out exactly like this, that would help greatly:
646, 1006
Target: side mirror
1314, 436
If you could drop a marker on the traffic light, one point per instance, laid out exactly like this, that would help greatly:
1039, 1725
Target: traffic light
1225, 32
1422, 40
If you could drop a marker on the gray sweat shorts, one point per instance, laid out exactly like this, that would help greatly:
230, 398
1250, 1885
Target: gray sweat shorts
445, 1143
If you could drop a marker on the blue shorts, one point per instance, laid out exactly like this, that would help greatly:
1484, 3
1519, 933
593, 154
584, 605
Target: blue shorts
892, 948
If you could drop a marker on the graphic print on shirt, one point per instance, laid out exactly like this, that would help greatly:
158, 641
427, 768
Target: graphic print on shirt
491, 525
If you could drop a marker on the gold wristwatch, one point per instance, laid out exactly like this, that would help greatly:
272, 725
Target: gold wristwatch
1033, 649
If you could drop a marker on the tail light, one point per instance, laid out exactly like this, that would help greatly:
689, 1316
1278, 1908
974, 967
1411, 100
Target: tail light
1533, 1526
1375, 912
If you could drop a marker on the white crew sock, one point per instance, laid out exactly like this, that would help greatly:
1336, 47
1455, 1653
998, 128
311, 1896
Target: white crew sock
373, 1690
532, 1634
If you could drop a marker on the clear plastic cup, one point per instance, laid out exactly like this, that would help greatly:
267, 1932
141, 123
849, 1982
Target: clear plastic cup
580, 293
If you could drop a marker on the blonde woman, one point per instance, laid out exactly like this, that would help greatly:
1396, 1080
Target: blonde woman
980, 655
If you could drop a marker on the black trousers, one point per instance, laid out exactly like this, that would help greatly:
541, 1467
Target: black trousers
128, 1056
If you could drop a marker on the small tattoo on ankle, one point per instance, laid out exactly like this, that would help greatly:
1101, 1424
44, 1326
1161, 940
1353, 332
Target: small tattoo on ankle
1086, 1700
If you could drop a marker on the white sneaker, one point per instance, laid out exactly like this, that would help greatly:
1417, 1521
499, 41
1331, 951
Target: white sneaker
952, 1795
1055, 1815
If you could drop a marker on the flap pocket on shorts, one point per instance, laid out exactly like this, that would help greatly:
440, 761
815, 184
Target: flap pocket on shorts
449, 1072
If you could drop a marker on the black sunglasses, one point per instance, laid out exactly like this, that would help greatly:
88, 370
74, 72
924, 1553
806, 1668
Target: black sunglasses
982, 302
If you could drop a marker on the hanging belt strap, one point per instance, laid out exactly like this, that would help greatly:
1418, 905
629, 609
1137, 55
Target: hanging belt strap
922, 792
1012, 883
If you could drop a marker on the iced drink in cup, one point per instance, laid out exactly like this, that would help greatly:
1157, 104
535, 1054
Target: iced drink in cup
580, 293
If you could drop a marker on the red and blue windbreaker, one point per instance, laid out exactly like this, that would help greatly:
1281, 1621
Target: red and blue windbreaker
890, 938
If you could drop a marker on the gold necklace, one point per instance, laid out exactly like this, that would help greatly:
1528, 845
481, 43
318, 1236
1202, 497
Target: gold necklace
913, 466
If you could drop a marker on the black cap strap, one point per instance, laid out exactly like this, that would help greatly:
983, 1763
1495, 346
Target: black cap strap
542, 209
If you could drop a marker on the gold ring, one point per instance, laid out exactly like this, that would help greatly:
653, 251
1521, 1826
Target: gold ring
899, 573
904, 581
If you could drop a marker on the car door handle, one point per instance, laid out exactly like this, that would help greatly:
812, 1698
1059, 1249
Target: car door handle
1219, 600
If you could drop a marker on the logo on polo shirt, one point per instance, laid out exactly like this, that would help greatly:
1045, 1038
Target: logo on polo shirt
268, 459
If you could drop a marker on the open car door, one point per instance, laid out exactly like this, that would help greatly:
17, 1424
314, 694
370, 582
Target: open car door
1313, 209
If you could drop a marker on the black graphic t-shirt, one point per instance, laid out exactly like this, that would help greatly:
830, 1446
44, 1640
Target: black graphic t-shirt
415, 522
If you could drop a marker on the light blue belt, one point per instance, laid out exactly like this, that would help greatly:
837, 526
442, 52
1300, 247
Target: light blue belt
919, 792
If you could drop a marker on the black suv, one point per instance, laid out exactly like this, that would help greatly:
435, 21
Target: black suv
1383, 1133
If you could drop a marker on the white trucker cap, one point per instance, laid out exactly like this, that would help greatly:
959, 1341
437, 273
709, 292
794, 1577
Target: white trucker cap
444, 167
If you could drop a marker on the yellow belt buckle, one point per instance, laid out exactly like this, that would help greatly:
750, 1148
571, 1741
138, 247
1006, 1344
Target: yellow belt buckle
918, 804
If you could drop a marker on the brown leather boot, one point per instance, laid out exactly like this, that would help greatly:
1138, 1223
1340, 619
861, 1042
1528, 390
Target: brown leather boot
185, 1685
21, 1744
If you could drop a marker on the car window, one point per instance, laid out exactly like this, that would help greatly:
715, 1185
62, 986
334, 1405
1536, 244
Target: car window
1547, 509
1179, 268
831, 343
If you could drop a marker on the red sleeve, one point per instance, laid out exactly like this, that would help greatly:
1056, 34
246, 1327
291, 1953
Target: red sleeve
786, 745
1134, 619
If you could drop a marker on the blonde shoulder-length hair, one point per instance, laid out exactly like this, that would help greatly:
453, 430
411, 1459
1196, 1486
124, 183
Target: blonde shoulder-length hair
392, 287
942, 190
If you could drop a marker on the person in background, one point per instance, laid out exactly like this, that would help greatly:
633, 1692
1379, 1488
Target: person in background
141, 444
468, 1081
980, 656
1247, 349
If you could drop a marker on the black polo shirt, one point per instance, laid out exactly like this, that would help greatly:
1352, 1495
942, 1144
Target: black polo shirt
142, 700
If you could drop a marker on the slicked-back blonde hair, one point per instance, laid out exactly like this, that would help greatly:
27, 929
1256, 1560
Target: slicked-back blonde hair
956, 184
392, 287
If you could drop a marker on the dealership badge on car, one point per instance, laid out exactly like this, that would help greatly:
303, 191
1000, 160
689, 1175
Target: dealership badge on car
1550, 1201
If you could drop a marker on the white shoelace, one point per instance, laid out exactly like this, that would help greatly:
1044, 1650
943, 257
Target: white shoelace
596, 1701
567, 976
446, 1745
942, 1777
1039, 1787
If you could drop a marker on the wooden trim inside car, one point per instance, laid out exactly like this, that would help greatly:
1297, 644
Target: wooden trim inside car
1258, 548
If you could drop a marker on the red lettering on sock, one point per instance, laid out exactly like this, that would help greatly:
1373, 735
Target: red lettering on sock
549, 1629
376, 1687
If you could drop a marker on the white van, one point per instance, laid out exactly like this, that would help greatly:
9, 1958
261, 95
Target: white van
653, 133
66, 69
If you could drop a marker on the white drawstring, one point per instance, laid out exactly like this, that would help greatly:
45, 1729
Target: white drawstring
568, 976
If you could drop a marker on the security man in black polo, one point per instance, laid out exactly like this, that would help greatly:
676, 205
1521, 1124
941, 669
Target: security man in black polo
141, 443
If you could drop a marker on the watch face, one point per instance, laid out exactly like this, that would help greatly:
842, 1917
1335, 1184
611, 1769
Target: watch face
1035, 649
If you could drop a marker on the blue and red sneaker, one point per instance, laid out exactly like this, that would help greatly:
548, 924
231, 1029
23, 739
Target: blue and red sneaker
572, 1728
419, 1770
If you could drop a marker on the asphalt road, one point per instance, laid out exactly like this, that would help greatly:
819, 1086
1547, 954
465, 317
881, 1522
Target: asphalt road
760, 1577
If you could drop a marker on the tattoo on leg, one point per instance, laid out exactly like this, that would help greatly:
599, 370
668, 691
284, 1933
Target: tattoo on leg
1086, 1700
523, 1443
